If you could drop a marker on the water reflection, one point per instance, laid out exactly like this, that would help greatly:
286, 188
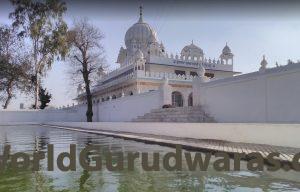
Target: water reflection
30, 139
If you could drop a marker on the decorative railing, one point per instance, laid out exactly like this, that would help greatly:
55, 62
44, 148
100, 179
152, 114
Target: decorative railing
201, 60
191, 62
145, 75
163, 75
114, 82
115, 72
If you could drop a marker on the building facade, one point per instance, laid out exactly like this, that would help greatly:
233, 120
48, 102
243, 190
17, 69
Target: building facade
145, 65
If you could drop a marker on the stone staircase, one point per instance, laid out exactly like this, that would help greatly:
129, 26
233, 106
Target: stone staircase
178, 114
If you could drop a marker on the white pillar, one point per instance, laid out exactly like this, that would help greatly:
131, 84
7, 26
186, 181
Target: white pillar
166, 91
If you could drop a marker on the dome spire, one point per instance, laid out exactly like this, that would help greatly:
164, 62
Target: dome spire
141, 14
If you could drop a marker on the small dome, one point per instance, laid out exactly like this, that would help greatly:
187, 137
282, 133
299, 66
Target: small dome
226, 50
192, 50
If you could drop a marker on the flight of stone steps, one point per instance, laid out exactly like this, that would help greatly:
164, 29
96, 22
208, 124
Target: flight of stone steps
178, 114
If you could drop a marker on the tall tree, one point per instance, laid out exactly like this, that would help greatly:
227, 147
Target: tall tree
86, 57
14, 65
42, 22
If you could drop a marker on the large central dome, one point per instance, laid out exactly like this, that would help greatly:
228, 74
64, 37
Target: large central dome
140, 35
140, 38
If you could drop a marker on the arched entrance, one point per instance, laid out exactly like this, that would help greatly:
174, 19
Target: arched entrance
177, 99
190, 100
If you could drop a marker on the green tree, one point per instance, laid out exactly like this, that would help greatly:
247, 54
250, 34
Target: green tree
14, 66
42, 22
44, 98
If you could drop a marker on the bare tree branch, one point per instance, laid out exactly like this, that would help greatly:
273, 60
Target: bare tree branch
86, 56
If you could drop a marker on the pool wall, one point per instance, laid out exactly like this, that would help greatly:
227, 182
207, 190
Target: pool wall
270, 134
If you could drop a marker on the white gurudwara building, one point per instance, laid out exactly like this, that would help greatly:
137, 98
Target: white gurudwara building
145, 65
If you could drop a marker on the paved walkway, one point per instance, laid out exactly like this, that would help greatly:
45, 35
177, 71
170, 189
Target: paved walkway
286, 153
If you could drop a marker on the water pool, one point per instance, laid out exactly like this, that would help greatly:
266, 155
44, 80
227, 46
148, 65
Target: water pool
31, 138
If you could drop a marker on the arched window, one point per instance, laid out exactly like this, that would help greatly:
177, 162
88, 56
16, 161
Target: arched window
177, 99
190, 99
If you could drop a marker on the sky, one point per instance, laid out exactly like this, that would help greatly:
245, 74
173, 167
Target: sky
251, 29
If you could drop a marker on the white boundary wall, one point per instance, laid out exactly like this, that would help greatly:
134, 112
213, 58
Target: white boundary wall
270, 96
128, 108
120, 109
73, 114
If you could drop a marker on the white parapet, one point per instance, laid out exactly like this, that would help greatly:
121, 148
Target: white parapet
164, 75
188, 62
